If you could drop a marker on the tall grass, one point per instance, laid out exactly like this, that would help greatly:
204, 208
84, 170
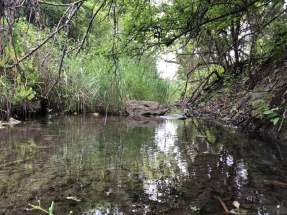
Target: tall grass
87, 82
92, 84
142, 82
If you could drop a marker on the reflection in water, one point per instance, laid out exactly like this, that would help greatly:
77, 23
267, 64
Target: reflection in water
169, 167
166, 139
168, 153
166, 136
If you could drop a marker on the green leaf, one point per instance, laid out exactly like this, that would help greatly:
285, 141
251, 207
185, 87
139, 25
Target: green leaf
51, 208
267, 112
210, 136
275, 120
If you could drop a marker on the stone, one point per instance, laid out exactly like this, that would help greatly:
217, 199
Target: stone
175, 117
11, 122
96, 114
145, 108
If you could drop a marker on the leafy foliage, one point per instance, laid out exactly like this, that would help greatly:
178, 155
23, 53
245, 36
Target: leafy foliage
82, 55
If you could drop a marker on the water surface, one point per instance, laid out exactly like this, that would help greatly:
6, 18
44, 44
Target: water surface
90, 166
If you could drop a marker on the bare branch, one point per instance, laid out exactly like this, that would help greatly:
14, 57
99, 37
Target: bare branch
58, 29
90, 26
59, 5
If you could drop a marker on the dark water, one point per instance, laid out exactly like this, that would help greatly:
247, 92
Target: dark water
138, 167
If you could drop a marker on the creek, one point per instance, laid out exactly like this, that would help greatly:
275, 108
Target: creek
95, 166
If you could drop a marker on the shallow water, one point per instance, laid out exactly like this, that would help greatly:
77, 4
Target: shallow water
90, 166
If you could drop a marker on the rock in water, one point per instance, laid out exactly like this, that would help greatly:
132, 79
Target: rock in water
175, 117
145, 108
11, 122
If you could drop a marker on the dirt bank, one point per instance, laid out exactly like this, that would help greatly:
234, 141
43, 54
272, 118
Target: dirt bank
262, 108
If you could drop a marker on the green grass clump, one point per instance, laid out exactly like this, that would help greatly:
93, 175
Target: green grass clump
93, 83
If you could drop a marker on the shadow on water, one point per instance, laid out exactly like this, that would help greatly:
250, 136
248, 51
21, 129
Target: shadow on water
138, 167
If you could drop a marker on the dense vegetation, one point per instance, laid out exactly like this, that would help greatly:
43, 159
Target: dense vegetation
89, 55
69, 65
78, 56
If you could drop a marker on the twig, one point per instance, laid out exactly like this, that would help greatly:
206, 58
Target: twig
36, 207
59, 71
57, 4
282, 121
276, 183
222, 204
13, 163
90, 26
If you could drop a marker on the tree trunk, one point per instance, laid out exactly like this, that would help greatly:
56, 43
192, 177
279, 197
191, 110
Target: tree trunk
235, 30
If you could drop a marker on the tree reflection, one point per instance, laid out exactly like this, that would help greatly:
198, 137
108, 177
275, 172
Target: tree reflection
124, 167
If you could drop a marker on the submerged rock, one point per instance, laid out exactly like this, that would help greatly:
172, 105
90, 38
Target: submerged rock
145, 108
